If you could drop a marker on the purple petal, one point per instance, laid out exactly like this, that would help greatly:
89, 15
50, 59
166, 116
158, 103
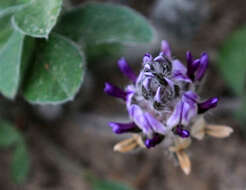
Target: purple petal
165, 48
210, 103
189, 58
179, 71
130, 88
156, 125
182, 132
114, 91
147, 58
140, 77
147, 67
156, 139
181, 77
149, 74
158, 94
190, 97
189, 112
174, 119
192, 68
202, 67
126, 69
146, 83
129, 100
137, 115
189, 107
169, 82
184, 111
159, 58
178, 67
120, 128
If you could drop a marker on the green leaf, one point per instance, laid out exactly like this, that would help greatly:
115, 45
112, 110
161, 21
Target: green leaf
8, 134
6, 30
20, 163
232, 61
27, 56
109, 185
57, 73
10, 6
10, 62
38, 18
105, 52
98, 23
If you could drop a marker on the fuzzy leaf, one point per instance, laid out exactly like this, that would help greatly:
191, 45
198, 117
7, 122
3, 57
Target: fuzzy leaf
232, 61
38, 18
27, 55
98, 23
10, 62
20, 163
57, 73
10, 6
8, 134
106, 52
6, 30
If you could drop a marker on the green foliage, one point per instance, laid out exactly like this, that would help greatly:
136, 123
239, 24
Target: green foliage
57, 72
232, 61
28, 55
5, 31
10, 6
20, 163
96, 23
108, 185
99, 23
10, 136
10, 61
38, 18
104, 52
240, 115
52, 71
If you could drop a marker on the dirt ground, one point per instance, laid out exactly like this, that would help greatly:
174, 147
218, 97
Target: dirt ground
62, 150
60, 156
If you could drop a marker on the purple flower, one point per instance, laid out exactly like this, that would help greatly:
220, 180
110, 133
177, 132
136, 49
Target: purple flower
182, 132
196, 68
165, 48
147, 58
138, 116
185, 110
162, 100
202, 67
156, 139
114, 91
120, 128
210, 103
126, 69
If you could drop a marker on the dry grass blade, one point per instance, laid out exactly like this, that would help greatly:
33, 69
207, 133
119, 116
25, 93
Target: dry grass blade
184, 162
139, 141
126, 145
219, 131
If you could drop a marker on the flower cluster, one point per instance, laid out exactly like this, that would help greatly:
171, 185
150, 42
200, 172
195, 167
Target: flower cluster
162, 102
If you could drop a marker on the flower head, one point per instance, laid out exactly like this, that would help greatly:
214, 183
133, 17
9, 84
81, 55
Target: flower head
162, 101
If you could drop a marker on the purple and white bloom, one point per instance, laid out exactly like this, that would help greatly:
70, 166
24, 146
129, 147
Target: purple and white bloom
161, 100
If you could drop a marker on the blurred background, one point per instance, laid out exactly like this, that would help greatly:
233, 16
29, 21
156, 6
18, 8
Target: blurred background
70, 146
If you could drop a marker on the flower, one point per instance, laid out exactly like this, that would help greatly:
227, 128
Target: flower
162, 101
